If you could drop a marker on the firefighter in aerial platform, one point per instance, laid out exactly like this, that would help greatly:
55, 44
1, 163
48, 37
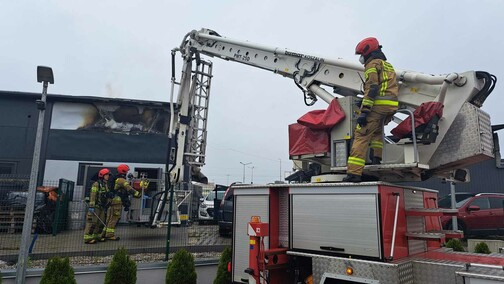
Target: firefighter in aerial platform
378, 106
97, 208
117, 196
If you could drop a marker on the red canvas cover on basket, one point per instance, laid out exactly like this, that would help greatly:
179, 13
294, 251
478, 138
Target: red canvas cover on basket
323, 119
423, 114
303, 140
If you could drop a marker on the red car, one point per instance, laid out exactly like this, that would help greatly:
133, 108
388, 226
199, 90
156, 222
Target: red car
478, 214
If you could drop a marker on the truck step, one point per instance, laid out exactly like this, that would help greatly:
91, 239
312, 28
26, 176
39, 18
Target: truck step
426, 235
451, 234
431, 212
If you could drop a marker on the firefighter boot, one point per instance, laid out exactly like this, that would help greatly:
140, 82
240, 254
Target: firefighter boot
113, 238
352, 178
376, 161
90, 242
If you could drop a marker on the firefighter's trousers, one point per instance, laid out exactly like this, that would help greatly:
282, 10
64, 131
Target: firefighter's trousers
369, 135
94, 226
113, 216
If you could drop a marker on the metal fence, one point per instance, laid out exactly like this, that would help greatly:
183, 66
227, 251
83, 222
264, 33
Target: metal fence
60, 217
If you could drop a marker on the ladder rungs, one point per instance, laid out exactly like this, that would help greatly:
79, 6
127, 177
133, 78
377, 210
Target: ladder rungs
201, 96
194, 155
203, 73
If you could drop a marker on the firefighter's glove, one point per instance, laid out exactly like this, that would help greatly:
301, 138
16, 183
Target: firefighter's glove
361, 120
136, 194
358, 103
91, 209
144, 184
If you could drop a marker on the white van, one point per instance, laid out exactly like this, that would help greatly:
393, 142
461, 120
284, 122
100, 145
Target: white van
206, 207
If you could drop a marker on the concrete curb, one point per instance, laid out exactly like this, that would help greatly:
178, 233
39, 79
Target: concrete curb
37, 272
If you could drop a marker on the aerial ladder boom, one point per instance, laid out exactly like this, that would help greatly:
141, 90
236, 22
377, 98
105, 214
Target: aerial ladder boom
462, 95
310, 72
314, 75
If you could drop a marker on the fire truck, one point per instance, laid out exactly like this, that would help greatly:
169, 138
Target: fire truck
325, 230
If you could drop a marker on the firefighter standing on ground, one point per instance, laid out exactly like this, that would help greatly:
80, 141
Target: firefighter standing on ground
97, 208
121, 188
378, 106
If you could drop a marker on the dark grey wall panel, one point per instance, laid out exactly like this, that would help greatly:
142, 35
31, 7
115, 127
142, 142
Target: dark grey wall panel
16, 142
18, 122
20, 112
485, 177
100, 146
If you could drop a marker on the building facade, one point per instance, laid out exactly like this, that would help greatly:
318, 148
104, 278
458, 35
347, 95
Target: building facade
80, 132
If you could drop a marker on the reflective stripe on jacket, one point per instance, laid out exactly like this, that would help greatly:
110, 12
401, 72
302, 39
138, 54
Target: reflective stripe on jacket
97, 190
381, 77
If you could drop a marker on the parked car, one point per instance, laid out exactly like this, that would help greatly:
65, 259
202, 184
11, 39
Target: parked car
478, 214
206, 207
225, 213
460, 198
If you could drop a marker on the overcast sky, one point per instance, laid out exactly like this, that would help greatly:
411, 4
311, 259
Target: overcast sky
122, 49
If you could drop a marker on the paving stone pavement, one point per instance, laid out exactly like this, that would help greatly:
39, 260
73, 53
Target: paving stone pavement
194, 237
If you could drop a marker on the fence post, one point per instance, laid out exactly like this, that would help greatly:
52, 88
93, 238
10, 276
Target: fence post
45, 76
58, 206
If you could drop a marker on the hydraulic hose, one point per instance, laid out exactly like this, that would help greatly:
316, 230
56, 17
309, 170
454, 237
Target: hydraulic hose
159, 211
450, 78
488, 87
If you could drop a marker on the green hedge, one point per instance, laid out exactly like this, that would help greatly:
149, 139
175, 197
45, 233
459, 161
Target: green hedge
122, 269
223, 276
482, 248
58, 271
181, 269
455, 244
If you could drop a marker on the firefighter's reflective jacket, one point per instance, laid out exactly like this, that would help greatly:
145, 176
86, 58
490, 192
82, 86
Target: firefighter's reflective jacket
98, 194
380, 87
122, 189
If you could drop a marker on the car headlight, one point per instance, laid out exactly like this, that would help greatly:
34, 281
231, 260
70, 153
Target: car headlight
203, 205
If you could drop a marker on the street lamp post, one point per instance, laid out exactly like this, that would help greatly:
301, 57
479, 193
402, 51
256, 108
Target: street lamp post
244, 164
44, 76
280, 173
252, 175
453, 204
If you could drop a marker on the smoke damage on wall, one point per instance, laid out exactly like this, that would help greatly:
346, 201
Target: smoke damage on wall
110, 117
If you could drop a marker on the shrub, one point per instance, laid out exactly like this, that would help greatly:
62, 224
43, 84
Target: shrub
122, 269
181, 269
223, 276
455, 244
482, 248
58, 271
